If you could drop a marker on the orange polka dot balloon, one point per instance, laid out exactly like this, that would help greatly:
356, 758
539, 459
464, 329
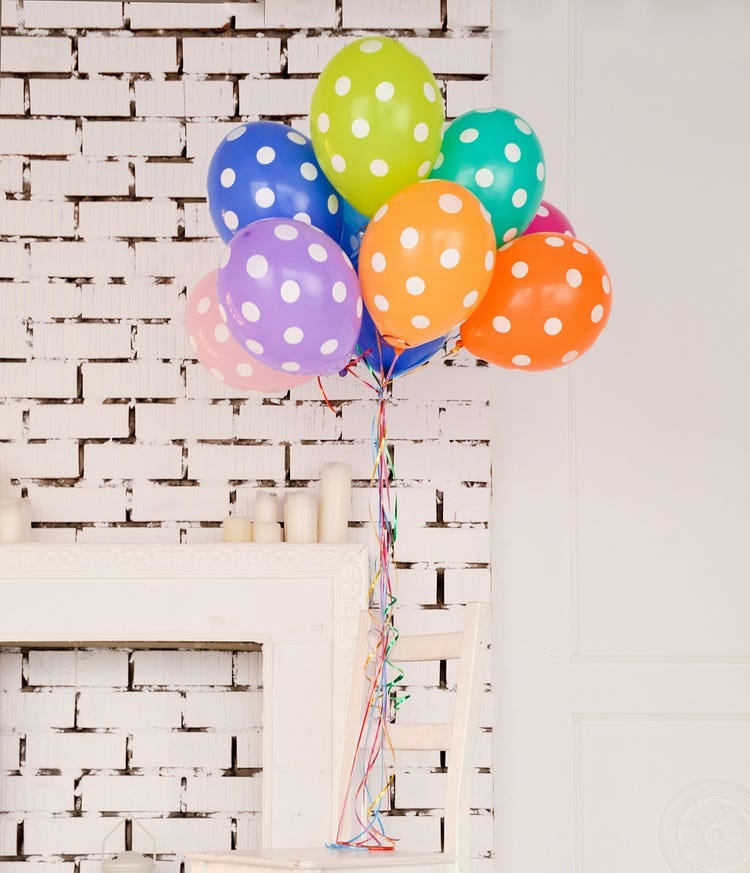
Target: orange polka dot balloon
549, 299
426, 261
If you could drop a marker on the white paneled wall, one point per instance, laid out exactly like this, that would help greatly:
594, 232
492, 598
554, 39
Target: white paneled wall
109, 113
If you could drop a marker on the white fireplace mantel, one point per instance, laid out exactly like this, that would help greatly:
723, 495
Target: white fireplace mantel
299, 602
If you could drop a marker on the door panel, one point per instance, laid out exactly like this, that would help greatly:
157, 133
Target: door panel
621, 576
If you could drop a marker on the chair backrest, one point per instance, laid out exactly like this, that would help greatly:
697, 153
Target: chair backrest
457, 737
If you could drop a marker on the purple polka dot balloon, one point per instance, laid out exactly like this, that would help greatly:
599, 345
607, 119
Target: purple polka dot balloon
290, 296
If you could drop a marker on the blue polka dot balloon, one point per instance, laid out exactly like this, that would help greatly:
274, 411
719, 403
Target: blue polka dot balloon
264, 169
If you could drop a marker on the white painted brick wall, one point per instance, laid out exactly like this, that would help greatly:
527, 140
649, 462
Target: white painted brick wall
105, 138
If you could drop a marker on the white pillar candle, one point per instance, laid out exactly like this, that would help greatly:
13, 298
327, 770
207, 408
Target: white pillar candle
265, 507
237, 529
15, 520
266, 532
300, 517
335, 503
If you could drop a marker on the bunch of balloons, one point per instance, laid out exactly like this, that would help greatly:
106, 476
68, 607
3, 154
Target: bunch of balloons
378, 237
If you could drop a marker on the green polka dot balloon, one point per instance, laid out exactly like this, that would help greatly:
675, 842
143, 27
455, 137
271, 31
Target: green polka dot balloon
375, 121
497, 156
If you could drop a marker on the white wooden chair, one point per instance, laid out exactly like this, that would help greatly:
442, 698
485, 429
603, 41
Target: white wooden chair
458, 738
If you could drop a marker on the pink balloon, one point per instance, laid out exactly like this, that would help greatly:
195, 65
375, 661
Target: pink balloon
549, 219
224, 358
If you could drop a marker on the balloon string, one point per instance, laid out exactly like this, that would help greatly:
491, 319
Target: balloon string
371, 774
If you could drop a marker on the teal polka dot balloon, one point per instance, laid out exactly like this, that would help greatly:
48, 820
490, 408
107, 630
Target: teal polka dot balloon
497, 156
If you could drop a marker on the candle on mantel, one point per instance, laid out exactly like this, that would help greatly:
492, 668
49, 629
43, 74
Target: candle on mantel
300, 517
265, 507
266, 532
15, 516
237, 529
335, 503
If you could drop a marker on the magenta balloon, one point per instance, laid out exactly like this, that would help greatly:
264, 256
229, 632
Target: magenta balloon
291, 296
224, 358
549, 219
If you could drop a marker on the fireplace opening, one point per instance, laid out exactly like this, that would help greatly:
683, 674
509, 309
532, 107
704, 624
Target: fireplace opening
93, 736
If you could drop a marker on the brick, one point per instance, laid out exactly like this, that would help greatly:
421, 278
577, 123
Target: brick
9, 12
202, 536
154, 667
55, 459
235, 710
170, 179
129, 535
418, 505
31, 136
188, 98
11, 175
140, 138
69, 836
185, 834
459, 462
11, 424
29, 218
182, 750
56, 535
466, 503
203, 136
117, 461
9, 829
75, 751
415, 833
176, 503
289, 14
249, 669
464, 585
38, 793
38, 54
421, 789
460, 55
135, 379
81, 177
82, 340
416, 587
211, 463
162, 341
249, 832
250, 749
40, 300
154, 54
131, 300
10, 671
469, 14
177, 258
336, 388
306, 462
14, 261
79, 503
202, 385
78, 420
134, 793
283, 423
462, 96
14, 340
236, 794
36, 867
198, 222
457, 545
465, 421
78, 667
12, 97
69, 14
79, 97
129, 709
388, 14
444, 383
183, 421
36, 711
155, 16
244, 55
80, 259
405, 420
114, 219
275, 97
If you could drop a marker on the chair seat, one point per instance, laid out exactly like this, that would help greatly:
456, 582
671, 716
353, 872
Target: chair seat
320, 860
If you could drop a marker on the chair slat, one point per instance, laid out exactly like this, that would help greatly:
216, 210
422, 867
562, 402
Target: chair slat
420, 737
427, 647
